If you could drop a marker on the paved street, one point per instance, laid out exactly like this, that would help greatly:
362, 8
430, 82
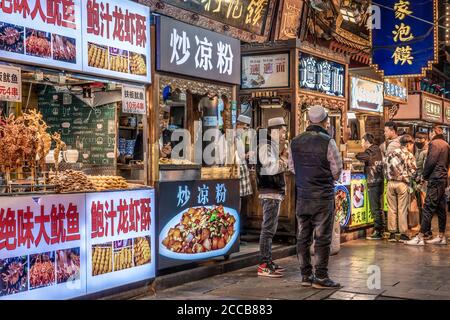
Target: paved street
406, 273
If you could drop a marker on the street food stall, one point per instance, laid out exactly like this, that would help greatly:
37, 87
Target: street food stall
193, 97
76, 214
420, 112
365, 115
284, 79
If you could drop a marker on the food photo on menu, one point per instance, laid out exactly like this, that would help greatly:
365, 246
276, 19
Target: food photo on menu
12, 38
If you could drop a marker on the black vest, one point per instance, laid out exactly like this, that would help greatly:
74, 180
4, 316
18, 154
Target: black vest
313, 176
269, 183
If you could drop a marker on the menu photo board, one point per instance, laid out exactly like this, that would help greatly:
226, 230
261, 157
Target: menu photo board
198, 220
42, 247
120, 238
358, 195
322, 76
366, 95
431, 109
116, 39
265, 71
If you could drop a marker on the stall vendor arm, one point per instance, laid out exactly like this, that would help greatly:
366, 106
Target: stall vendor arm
334, 157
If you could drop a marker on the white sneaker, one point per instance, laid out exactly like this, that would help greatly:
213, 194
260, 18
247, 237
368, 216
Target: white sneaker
438, 241
416, 241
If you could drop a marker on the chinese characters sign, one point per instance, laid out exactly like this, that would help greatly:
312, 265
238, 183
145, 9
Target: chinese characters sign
366, 95
214, 204
10, 84
67, 246
447, 111
432, 110
43, 239
249, 15
395, 90
265, 71
116, 39
133, 100
120, 238
322, 76
45, 32
406, 43
78, 35
193, 51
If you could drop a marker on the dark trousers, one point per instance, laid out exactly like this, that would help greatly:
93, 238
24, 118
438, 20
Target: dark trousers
435, 202
375, 195
315, 221
271, 210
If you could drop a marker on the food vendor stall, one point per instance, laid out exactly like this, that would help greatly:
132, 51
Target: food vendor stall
193, 97
420, 112
365, 115
76, 215
284, 79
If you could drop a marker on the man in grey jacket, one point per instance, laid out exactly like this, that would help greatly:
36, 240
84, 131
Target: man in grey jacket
392, 139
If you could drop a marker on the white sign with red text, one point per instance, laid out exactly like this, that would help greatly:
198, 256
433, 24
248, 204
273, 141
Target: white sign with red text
133, 100
116, 39
42, 247
43, 32
120, 238
10, 84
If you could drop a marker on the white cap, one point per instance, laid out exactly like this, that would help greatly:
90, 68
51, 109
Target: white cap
274, 122
317, 114
244, 119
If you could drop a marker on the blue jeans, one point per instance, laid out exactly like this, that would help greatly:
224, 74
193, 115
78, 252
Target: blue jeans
271, 211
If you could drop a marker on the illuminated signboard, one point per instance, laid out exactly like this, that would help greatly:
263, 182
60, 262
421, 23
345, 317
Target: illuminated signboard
249, 15
265, 71
366, 95
323, 76
405, 43
395, 90
432, 110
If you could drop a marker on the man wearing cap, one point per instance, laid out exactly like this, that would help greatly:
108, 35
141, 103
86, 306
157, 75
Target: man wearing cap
242, 155
317, 164
435, 172
271, 165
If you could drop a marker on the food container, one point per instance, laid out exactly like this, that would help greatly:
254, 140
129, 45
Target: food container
71, 156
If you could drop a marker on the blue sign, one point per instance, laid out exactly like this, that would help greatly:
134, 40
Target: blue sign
406, 42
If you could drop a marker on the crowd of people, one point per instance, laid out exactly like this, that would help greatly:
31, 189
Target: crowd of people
414, 168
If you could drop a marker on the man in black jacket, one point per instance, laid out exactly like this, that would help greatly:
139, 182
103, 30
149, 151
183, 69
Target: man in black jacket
317, 163
270, 169
374, 172
435, 172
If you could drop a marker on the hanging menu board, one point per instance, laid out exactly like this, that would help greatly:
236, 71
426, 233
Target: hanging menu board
89, 130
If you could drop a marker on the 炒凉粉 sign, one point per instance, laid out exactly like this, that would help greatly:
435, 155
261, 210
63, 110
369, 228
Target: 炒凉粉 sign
196, 52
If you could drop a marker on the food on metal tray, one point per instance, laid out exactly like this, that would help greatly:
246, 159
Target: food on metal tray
13, 275
142, 251
201, 230
68, 265
101, 259
123, 259
42, 272
98, 56
137, 64
103, 183
72, 181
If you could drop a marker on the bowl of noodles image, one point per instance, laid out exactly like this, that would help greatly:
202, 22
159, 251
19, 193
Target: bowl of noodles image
200, 233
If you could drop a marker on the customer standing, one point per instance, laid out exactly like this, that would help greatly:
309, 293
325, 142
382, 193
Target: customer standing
374, 172
421, 156
271, 165
242, 155
392, 140
400, 167
317, 163
435, 172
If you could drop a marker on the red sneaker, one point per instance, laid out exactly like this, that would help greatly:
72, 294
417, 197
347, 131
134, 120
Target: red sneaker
266, 270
